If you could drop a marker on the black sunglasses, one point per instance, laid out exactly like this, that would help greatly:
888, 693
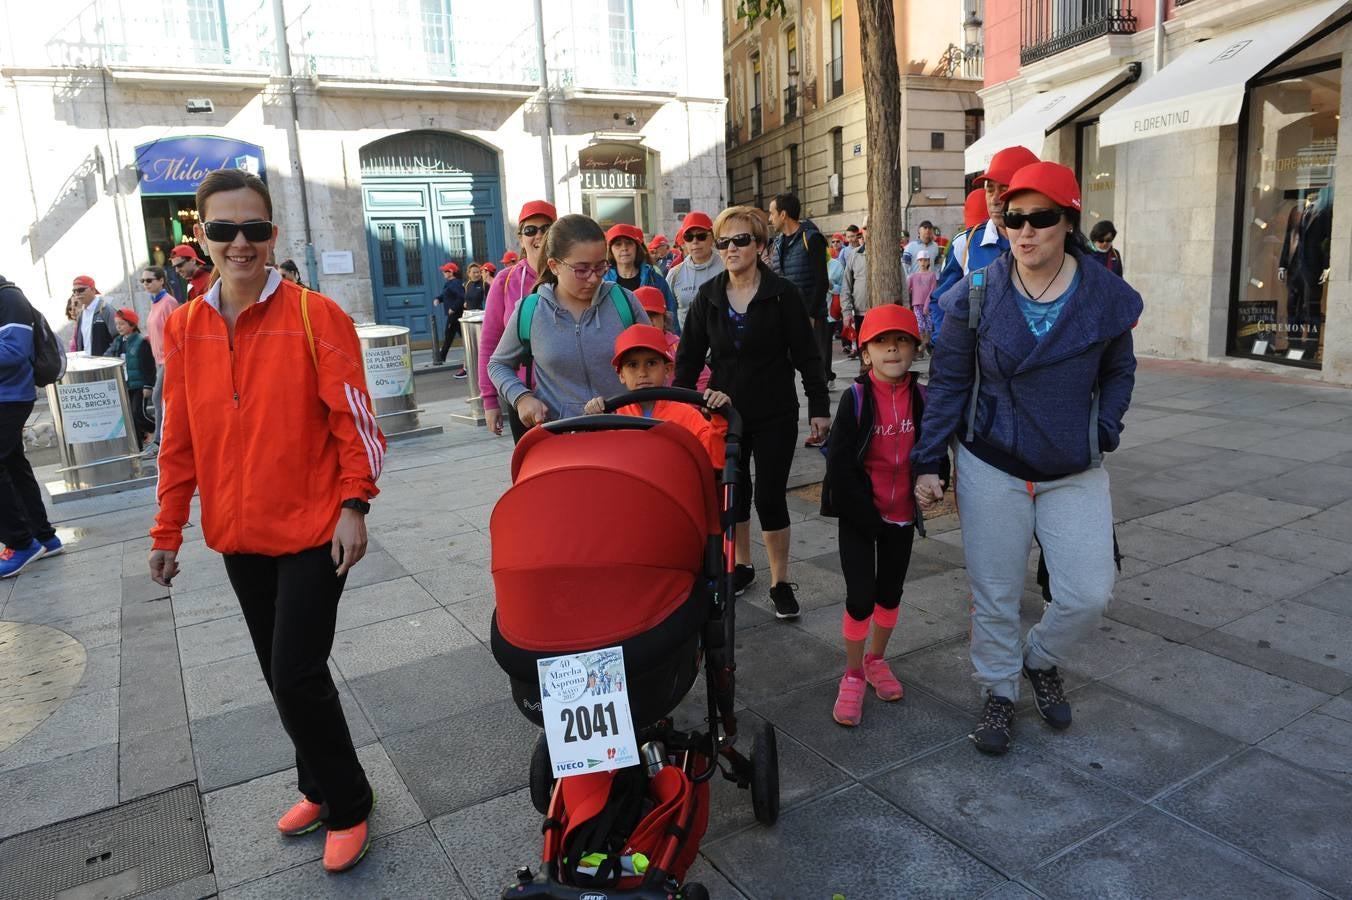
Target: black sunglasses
149, 280
532, 230
698, 235
739, 240
1043, 218
224, 232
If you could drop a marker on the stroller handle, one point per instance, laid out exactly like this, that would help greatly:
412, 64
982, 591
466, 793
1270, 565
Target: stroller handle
678, 395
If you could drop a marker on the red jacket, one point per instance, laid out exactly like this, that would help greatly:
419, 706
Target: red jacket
273, 440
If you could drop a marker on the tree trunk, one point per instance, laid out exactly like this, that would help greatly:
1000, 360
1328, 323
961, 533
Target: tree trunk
882, 115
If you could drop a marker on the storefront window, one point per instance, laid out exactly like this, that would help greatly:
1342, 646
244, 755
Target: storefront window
1098, 178
1288, 186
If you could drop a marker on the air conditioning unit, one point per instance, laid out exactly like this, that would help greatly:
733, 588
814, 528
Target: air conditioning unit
833, 185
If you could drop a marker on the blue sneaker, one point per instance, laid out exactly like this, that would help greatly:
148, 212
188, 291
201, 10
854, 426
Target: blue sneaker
12, 561
52, 547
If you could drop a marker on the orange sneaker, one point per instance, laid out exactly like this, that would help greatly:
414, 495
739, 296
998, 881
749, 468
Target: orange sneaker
302, 818
345, 847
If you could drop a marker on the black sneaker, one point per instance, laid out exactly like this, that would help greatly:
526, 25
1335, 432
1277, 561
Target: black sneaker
1049, 695
995, 730
786, 604
742, 576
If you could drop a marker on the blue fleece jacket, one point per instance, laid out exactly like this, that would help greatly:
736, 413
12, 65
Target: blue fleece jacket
649, 276
16, 346
1033, 405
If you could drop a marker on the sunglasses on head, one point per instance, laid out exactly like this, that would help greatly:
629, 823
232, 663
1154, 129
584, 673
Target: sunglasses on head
532, 230
224, 232
698, 235
1043, 218
737, 240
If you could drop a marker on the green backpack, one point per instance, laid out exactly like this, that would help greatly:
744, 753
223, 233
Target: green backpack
527, 316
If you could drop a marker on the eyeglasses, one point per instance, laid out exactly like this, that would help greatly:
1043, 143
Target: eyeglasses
1043, 218
698, 235
738, 240
224, 232
532, 230
586, 272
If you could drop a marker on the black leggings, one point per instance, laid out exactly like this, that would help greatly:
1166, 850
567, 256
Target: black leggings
290, 604
452, 330
772, 444
875, 568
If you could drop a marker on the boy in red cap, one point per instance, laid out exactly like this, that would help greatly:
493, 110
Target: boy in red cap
655, 305
643, 360
870, 488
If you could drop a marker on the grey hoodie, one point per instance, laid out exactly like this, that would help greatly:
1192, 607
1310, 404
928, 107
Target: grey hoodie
572, 357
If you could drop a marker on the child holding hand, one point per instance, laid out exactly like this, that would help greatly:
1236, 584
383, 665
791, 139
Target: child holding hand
870, 488
643, 360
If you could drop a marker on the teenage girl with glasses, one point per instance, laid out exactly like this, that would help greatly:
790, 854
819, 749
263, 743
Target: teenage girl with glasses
572, 329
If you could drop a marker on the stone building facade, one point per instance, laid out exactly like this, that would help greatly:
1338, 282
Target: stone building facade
420, 131
796, 109
1216, 159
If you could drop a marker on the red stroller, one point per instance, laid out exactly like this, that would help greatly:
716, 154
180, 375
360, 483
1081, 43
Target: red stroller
571, 578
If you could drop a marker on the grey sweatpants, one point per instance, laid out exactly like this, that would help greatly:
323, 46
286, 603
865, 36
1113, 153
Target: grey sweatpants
1073, 519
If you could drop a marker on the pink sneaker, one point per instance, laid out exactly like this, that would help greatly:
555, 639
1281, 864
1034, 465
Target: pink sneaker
849, 707
879, 674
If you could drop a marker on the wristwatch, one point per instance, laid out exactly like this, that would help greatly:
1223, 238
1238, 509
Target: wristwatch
360, 506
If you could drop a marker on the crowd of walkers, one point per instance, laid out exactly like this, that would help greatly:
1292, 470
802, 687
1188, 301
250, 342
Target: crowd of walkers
1028, 326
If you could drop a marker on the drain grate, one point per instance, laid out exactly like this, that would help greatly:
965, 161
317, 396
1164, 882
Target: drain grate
141, 846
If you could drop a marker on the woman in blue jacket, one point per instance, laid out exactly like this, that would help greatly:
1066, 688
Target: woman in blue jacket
632, 268
1034, 374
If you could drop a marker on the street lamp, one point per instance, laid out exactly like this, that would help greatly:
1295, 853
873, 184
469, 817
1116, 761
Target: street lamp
972, 50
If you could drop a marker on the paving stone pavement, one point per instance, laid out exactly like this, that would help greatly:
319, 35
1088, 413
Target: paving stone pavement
1209, 755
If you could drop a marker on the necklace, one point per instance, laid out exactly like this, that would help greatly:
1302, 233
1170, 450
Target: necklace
1038, 298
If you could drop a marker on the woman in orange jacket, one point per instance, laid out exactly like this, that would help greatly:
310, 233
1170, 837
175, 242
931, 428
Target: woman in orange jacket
267, 416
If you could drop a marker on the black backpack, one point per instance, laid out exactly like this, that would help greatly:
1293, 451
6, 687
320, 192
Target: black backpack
49, 356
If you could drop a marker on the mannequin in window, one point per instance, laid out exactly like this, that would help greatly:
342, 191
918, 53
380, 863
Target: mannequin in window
1304, 264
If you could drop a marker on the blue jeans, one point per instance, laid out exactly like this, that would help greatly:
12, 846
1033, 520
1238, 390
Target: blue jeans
1072, 517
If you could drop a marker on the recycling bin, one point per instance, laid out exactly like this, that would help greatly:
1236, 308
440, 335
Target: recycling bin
388, 360
92, 414
471, 326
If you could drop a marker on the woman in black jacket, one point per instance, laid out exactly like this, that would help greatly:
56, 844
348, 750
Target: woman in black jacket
751, 326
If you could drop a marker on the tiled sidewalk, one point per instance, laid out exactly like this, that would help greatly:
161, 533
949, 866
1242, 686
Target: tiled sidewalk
1213, 708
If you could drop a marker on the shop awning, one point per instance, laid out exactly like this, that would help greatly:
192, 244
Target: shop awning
1204, 87
1030, 124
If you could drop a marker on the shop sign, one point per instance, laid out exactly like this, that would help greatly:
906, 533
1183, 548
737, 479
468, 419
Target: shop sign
178, 165
389, 371
91, 411
1257, 318
609, 167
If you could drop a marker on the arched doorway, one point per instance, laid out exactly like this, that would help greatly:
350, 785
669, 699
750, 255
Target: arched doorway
428, 198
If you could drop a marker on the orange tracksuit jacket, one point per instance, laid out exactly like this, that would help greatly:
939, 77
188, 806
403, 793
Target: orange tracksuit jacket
273, 441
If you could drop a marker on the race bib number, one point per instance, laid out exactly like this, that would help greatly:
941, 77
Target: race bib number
584, 700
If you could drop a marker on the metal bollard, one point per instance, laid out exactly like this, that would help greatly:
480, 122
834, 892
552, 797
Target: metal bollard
471, 326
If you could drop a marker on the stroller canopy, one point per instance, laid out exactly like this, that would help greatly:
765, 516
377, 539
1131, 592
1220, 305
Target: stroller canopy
601, 536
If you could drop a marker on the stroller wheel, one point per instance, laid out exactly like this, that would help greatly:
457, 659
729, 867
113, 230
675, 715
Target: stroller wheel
541, 776
765, 775
693, 890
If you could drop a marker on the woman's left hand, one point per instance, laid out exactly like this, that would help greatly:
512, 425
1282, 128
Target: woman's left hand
820, 426
714, 399
349, 540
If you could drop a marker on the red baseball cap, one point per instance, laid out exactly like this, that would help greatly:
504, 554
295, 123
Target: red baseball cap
509, 257
1005, 163
129, 315
492, 269
890, 317
538, 208
84, 281
185, 250
1052, 179
658, 240
974, 210
647, 337
651, 299
694, 220
633, 232
452, 268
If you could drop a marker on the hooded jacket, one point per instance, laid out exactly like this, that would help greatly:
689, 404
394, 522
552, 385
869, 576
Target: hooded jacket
272, 437
758, 376
571, 357
801, 258
651, 276
16, 345
506, 291
1034, 401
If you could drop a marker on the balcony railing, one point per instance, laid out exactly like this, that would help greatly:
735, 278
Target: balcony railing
790, 103
837, 77
166, 34
1051, 26
756, 121
419, 47
598, 58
